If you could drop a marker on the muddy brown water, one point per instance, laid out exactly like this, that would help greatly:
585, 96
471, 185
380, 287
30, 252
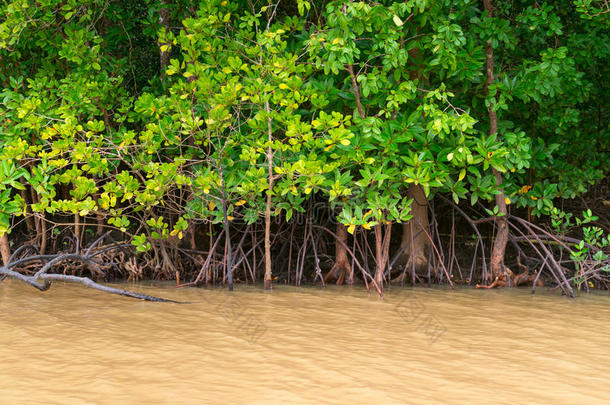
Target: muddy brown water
71, 345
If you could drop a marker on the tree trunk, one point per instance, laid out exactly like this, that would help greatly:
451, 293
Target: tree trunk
99, 214
99, 219
43, 234
413, 231
5, 249
228, 247
415, 243
382, 251
164, 17
40, 224
342, 267
499, 245
29, 219
268, 279
341, 260
77, 231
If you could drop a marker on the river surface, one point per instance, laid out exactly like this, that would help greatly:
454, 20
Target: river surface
72, 345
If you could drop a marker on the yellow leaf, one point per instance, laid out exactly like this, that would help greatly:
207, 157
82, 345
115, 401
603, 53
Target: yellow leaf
211, 205
462, 174
397, 20
351, 228
240, 203
507, 200
180, 235
336, 41
283, 86
345, 142
366, 226
164, 48
230, 218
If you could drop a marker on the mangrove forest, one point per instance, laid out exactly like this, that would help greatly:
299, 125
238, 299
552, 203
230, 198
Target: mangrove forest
379, 143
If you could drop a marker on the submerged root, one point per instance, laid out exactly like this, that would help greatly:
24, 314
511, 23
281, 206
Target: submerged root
511, 280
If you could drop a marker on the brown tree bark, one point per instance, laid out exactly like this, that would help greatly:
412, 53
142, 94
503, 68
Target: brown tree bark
382, 251
5, 249
40, 224
499, 245
164, 17
77, 231
43, 234
342, 270
29, 219
414, 240
99, 219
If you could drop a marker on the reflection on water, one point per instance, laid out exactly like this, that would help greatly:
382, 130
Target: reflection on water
305, 346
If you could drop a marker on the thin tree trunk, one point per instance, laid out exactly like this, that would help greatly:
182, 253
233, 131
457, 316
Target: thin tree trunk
37, 220
228, 247
192, 230
499, 245
41, 224
382, 248
268, 279
208, 273
341, 259
99, 217
29, 219
43, 234
164, 17
77, 232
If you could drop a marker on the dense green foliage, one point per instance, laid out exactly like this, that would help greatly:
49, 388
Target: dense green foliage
276, 104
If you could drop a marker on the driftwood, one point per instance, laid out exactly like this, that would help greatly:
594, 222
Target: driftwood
42, 279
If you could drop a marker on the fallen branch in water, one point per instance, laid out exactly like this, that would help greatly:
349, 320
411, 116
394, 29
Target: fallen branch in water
42, 280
